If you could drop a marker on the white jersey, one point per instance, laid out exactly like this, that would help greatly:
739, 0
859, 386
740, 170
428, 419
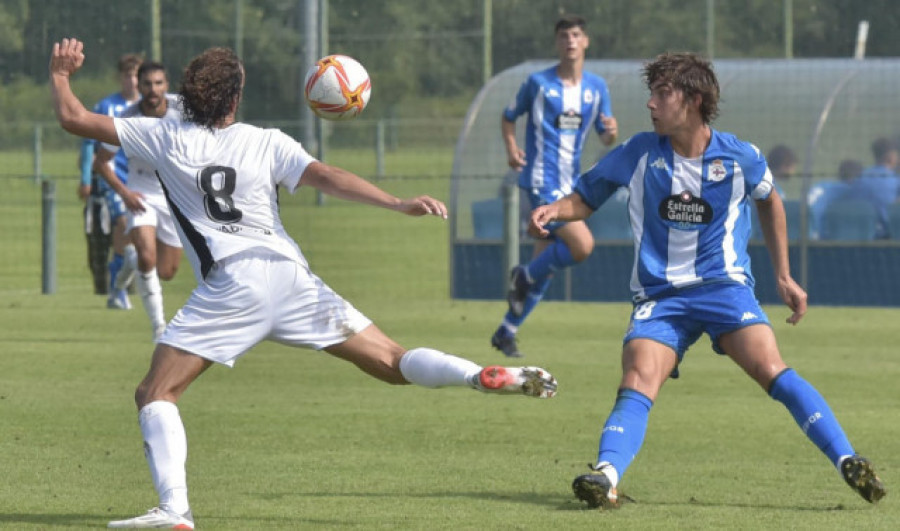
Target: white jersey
141, 174
221, 184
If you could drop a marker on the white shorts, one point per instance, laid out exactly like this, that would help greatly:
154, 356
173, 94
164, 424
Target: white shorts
257, 295
156, 214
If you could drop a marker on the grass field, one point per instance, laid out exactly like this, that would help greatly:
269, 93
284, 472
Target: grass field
294, 439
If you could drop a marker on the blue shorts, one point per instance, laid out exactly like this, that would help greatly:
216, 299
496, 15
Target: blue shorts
116, 206
539, 197
678, 320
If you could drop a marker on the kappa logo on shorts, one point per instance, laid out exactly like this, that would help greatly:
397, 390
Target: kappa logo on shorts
748, 316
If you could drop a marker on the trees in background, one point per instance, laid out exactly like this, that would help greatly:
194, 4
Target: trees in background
414, 49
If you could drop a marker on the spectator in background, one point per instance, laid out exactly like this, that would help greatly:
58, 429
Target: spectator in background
98, 224
563, 104
825, 193
879, 183
783, 165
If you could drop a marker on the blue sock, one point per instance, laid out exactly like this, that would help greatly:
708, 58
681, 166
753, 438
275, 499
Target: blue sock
555, 257
623, 433
812, 414
535, 294
115, 265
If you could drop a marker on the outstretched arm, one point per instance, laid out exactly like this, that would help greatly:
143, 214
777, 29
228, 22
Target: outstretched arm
772, 220
345, 185
66, 58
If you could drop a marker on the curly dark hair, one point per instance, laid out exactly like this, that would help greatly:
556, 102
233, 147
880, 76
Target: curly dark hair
689, 73
211, 84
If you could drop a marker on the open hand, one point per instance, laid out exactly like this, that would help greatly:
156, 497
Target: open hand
67, 57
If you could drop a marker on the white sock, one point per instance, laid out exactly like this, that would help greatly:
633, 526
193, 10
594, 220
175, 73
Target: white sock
511, 328
165, 447
609, 471
840, 461
432, 368
151, 295
129, 267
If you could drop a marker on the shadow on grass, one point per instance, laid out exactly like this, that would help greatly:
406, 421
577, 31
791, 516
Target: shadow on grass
552, 500
92, 520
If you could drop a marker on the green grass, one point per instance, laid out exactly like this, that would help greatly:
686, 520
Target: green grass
295, 439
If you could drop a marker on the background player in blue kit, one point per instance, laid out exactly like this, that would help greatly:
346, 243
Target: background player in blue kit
563, 104
690, 189
99, 224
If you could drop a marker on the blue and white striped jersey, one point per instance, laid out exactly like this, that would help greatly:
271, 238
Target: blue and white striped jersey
112, 105
690, 217
559, 118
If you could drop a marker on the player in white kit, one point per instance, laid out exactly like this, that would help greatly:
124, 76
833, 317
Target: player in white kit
220, 179
151, 227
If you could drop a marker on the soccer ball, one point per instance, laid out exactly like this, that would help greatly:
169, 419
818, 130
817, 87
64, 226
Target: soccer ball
337, 87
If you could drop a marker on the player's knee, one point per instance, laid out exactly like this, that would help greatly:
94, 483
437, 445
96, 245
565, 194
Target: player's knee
147, 392
167, 272
581, 250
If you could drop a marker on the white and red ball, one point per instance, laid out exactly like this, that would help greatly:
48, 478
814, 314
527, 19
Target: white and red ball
337, 87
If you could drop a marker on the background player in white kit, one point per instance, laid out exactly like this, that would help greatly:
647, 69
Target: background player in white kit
220, 179
150, 224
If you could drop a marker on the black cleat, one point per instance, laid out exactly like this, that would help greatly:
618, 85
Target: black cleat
505, 342
860, 475
518, 290
596, 490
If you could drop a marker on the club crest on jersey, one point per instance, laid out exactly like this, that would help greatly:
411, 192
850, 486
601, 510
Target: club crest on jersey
716, 171
588, 96
685, 211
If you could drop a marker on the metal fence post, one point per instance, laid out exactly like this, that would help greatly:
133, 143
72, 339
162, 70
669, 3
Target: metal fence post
36, 150
379, 148
510, 226
48, 237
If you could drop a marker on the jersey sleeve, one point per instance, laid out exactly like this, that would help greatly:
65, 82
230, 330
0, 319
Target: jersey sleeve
290, 160
109, 147
610, 173
758, 178
522, 102
85, 160
140, 137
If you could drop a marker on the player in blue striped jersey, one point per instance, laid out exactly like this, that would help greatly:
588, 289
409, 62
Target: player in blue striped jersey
690, 193
101, 215
563, 104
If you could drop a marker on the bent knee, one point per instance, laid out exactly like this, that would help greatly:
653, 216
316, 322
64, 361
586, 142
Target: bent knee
580, 253
582, 248
167, 273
